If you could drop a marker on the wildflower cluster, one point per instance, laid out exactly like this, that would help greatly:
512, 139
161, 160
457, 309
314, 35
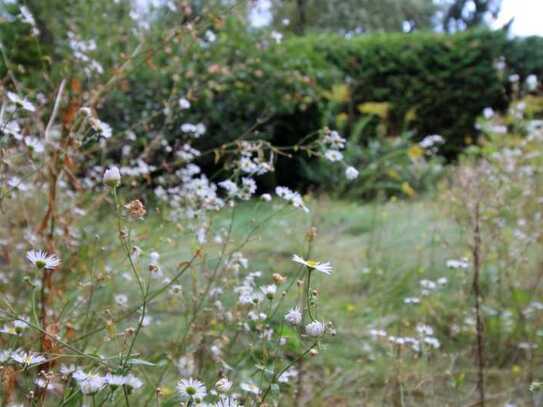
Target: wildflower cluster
94, 300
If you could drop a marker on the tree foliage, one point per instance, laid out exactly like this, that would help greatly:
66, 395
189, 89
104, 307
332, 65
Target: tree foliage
345, 16
459, 15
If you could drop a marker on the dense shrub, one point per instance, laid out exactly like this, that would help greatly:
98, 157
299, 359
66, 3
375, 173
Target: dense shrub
244, 82
423, 82
432, 83
524, 56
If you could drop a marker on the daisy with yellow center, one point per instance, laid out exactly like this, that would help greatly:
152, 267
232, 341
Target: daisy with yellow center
325, 268
42, 260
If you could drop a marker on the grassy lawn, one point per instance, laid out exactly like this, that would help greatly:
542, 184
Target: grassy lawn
390, 274
380, 253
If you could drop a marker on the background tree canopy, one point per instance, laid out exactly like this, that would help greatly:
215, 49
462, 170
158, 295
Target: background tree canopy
362, 16
345, 16
346, 72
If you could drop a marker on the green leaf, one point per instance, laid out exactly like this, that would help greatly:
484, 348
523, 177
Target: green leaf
140, 362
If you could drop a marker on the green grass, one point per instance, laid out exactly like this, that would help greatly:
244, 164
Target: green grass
380, 252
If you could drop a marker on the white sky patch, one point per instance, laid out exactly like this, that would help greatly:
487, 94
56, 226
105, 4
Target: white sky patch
528, 16
260, 15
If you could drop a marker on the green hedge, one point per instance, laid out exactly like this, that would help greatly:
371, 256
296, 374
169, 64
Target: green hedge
433, 83
430, 83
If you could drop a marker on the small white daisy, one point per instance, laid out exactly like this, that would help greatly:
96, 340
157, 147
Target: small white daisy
24, 103
191, 389
315, 328
269, 291
461, 264
294, 316
223, 385
133, 382
34, 144
333, 155
89, 383
115, 380
250, 388
5, 355
121, 299
27, 358
287, 375
325, 268
67, 370
47, 385
112, 177
227, 401
176, 289
184, 104
41, 259
351, 173
101, 127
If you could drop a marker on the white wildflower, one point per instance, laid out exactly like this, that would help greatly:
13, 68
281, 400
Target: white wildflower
462, 264
269, 291
186, 365
250, 388
223, 385
184, 104
351, 173
34, 144
27, 358
531, 82
294, 316
112, 177
5, 355
101, 127
226, 401
333, 155
315, 328
176, 289
67, 370
293, 197
133, 382
89, 383
24, 103
121, 299
325, 268
191, 389
488, 112
287, 375
230, 187
41, 259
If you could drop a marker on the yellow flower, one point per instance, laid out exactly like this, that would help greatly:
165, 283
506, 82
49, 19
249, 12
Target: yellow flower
408, 190
415, 152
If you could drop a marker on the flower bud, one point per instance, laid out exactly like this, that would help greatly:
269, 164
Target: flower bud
112, 177
278, 278
351, 173
315, 328
223, 385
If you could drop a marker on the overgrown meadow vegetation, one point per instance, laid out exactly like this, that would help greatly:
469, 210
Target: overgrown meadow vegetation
194, 213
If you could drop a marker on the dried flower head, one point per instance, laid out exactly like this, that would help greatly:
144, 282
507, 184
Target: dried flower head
136, 209
278, 278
